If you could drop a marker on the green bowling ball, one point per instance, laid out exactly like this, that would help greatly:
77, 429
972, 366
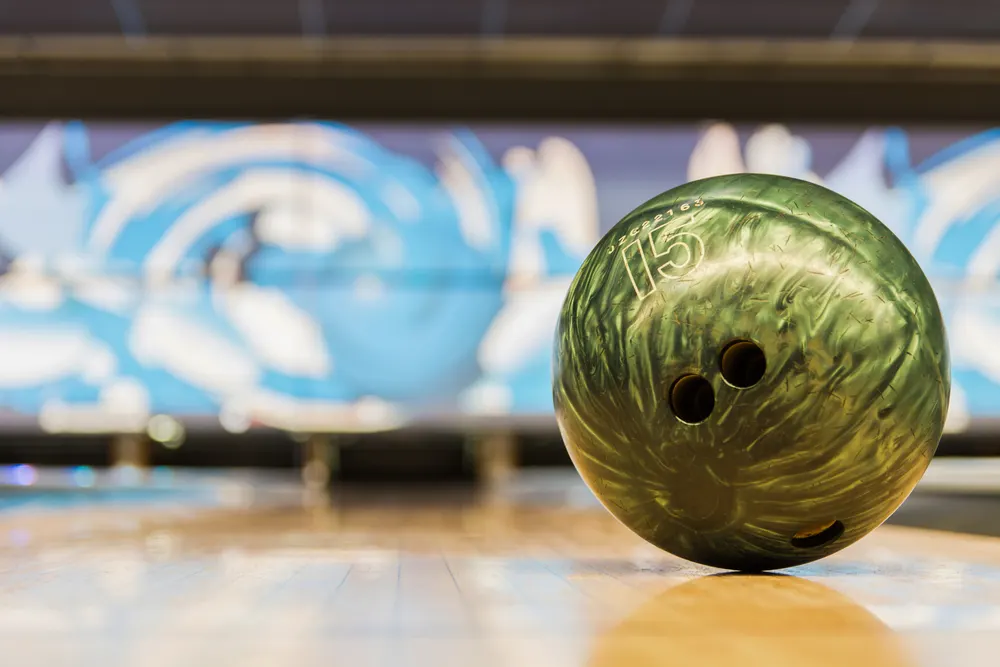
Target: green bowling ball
751, 372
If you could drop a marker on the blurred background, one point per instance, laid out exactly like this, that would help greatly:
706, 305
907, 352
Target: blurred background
333, 238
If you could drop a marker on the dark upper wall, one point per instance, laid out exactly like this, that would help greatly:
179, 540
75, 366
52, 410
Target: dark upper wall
814, 19
471, 78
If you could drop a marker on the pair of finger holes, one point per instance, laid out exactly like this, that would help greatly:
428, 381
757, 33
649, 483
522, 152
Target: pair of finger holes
692, 398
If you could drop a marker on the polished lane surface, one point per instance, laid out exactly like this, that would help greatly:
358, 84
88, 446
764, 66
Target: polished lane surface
251, 572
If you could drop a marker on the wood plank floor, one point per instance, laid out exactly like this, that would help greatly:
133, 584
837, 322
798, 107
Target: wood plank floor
534, 576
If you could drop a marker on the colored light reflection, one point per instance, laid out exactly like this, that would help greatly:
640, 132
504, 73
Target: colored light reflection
19, 537
84, 476
25, 475
162, 476
128, 475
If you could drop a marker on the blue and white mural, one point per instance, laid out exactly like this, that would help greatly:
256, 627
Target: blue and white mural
315, 276
294, 275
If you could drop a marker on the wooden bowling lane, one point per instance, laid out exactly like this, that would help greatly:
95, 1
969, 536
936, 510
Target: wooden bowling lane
534, 576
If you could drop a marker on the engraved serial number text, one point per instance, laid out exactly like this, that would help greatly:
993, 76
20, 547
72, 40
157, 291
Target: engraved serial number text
660, 248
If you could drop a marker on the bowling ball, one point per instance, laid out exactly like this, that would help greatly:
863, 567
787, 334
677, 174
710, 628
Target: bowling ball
750, 372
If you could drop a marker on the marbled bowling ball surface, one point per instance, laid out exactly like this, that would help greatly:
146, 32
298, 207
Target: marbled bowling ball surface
751, 372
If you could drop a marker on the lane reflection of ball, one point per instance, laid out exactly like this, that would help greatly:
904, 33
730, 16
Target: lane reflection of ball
750, 620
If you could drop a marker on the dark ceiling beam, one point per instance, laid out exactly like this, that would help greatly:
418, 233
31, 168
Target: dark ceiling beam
130, 18
493, 21
854, 19
675, 16
512, 78
312, 17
